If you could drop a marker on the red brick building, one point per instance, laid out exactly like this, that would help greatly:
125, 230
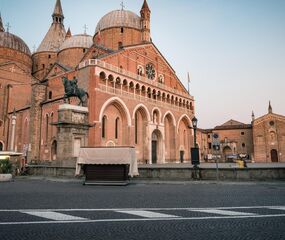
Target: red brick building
263, 140
135, 97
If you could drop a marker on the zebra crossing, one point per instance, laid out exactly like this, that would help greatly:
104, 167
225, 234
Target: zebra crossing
61, 216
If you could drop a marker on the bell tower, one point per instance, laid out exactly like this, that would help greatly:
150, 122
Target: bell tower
57, 15
145, 22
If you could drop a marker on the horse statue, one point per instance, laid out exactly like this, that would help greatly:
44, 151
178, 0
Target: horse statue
72, 90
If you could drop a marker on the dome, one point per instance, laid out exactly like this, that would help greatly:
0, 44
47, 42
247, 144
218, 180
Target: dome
9, 40
119, 18
77, 41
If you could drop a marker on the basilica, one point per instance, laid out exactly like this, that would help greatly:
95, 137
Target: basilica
135, 97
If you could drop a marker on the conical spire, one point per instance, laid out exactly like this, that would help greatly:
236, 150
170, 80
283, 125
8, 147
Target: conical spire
2, 29
57, 15
58, 9
145, 6
68, 34
56, 33
269, 108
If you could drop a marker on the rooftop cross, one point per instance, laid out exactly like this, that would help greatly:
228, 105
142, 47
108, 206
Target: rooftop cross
85, 28
8, 26
122, 5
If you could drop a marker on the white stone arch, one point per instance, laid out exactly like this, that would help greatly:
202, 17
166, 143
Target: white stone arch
110, 143
145, 108
173, 118
189, 123
121, 102
156, 108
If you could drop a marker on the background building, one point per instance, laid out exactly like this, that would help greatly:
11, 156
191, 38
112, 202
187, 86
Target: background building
260, 141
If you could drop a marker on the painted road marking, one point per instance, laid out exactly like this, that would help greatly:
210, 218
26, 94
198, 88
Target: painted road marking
224, 212
53, 215
278, 208
137, 209
144, 219
148, 214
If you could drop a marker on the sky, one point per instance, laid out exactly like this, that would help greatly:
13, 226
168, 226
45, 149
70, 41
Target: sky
234, 50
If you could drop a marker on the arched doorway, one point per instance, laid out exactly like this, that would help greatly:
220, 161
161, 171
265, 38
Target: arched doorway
1, 146
156, 146
274, 155
227, 151
53, 150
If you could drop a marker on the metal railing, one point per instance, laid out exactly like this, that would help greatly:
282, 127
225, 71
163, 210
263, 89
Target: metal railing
156, 102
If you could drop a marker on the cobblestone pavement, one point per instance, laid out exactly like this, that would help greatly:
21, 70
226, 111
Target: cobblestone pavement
43, 209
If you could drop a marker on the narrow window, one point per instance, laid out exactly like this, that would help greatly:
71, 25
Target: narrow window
84, 50
136, 128
120, 45
210, 145
49, 56
43, 66
242, 133
104, 119
243, 145
117, 128
50, 95
47, 120
122, 30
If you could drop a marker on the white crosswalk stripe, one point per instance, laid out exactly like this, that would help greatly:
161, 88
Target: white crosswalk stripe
54, 216
223, 212
148, 214
278, 208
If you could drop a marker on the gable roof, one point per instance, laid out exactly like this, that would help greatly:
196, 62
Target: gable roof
141, 45
233, 124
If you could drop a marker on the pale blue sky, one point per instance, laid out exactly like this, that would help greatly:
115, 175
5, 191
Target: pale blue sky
233, 49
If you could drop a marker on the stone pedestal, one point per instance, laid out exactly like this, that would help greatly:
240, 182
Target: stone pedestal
72, 133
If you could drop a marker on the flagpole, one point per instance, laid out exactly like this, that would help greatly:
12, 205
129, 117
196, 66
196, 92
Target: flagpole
188, 83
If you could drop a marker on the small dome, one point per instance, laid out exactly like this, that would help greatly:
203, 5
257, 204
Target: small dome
9, 40
77, 41
119, 18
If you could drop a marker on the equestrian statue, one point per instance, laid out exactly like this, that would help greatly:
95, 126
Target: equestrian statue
71, 89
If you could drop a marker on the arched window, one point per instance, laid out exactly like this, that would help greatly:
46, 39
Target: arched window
51, 128
117, 128
104, 120
47, 123
1, 146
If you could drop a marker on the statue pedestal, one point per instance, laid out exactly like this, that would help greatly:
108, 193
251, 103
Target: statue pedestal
72, 133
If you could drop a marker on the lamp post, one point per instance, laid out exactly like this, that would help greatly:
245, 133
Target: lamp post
195, 158
194, 123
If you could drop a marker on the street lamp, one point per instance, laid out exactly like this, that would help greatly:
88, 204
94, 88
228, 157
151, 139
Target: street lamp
195, 158
194, 124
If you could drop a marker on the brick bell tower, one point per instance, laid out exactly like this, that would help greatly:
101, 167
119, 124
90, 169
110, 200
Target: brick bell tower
145, 22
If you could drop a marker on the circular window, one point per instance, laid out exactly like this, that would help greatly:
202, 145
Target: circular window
271, 123
150, 71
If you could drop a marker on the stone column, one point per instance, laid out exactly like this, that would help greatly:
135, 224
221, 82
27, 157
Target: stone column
12, 142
